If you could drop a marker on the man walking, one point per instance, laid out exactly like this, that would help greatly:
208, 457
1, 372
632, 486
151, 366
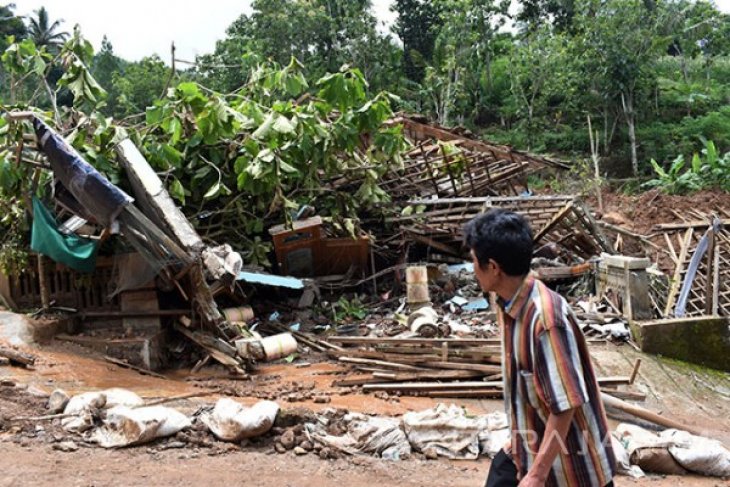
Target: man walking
560, 434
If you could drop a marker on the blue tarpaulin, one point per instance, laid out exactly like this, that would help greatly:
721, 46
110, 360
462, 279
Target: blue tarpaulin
91, 189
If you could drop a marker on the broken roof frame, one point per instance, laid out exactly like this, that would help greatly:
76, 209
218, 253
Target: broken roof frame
475, 168
562, 220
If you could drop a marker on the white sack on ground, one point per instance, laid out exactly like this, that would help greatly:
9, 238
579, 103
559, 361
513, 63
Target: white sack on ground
106, 399
124, 426
83, 405
623, 463
450, 431
494, 441
372, 435
231, 421
699, 454
647, 450
673, 451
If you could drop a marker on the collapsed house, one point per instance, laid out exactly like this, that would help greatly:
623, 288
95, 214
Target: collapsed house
447, 177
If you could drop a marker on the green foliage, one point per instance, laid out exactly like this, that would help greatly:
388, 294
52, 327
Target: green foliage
139, 85
258, 153
706, 170
76, 55
11, 26
345, 309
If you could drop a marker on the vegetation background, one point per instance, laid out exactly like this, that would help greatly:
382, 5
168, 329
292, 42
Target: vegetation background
256, 127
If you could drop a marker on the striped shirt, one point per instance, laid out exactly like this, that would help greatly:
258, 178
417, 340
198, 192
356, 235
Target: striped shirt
547, 369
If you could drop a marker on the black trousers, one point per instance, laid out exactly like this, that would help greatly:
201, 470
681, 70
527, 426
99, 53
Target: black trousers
503, 473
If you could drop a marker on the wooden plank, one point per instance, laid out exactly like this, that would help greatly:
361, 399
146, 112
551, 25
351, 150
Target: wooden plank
699, 224
428, 341
380, 363
433, 375
676, 280
358, 381
710, 278
127, 365
487, 369
466, 394
151, 194
433, 386
672, 252
17, 357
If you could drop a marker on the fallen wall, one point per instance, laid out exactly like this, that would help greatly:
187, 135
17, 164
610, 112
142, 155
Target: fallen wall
704, 340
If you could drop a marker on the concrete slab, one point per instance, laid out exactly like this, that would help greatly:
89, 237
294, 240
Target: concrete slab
704, 340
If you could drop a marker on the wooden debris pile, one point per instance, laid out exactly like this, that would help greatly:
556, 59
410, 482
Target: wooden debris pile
445, 163
701, 270
436, 367
561, 222
432, 367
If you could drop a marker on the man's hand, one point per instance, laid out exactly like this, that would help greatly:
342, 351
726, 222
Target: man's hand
508, 447
532, 480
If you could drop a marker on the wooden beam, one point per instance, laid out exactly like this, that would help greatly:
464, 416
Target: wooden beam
676, 279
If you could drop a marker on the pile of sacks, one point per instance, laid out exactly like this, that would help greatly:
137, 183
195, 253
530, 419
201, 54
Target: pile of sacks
671, 452
443, 431
116, 418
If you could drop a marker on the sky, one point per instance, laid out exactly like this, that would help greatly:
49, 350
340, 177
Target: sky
138, 28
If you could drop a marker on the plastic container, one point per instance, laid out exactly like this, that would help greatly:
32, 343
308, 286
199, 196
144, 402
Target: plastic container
240, 314
417, 286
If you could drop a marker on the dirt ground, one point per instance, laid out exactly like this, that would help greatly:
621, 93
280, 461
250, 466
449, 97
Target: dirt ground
30, 455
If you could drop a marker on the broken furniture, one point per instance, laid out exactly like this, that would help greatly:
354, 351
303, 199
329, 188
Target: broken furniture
303, 250
626, 283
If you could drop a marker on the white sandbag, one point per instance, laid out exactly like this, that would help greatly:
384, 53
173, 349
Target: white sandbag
377, 436
84, 402
231, 421
81, 406
623, 463
647, 450
105, 399
121, 397
83, 421
698, 454
493, 441
125, 426
674, 452
447, 430
371, 435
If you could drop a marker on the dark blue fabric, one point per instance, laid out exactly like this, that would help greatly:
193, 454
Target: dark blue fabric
89, 187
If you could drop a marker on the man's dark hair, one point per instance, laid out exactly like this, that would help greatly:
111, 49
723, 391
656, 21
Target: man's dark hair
503, 236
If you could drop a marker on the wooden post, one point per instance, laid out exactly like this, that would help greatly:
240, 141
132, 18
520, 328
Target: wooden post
43, 284
716, 284
628, 306
709, 276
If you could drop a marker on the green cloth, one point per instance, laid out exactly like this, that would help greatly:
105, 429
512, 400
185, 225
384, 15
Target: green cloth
76, 252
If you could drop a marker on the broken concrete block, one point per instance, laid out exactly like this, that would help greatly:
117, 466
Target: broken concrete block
58, 400
700, 340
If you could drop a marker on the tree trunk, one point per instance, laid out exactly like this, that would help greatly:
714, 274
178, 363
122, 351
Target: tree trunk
628, 104
42, 284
